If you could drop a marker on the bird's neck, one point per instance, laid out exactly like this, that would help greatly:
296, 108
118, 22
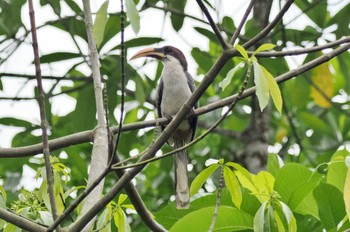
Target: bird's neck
173, 71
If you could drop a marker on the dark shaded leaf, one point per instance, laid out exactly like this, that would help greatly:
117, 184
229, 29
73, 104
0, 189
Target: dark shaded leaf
58, 56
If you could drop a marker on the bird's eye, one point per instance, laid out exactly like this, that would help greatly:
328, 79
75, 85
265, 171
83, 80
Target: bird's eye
167, 50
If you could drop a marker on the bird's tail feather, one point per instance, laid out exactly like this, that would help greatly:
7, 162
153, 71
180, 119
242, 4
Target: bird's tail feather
182, 189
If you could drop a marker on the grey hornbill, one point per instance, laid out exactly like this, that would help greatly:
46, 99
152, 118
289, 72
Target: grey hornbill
175, 87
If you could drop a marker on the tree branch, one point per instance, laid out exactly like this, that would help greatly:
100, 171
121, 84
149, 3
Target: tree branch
216, 30
244, 19
99, 157
20, 221
46, 149
269, 27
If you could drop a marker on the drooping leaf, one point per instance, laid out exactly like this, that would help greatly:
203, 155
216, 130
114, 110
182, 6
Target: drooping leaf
323, 79
227, 80
346, 194
259, 218
292, 225
133, 15
330, 205
233, 186
121, 221
262, 85
176, 19
273, 89
201, 178
337, 169
100, 23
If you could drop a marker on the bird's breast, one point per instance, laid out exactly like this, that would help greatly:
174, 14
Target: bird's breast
175, 93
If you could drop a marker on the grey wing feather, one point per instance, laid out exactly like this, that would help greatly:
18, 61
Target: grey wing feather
159, 99
193, 121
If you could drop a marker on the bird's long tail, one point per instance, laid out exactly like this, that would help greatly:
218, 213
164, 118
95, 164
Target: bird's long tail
182, 189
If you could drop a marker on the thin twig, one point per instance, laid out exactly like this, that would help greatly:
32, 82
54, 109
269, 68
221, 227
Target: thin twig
46, 149
269, 27
244, 19
58, 78
216, 30
218, 199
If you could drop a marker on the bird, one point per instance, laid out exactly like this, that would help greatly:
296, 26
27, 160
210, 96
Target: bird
176, 85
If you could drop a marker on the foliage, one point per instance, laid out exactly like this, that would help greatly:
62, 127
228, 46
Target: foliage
306, 183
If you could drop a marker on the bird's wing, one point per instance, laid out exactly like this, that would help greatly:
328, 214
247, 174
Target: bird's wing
159, 99
193, 121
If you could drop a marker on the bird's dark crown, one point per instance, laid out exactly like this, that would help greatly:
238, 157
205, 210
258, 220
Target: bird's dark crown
176, 53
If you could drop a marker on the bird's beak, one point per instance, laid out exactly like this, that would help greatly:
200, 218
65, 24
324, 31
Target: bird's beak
149, 52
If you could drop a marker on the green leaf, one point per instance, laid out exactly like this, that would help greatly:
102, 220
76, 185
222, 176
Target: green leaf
46, 217
210, 35
244, 177
15, 122
242, 51
122, 198
121, 221
228, 219
262, 85
346, 194
100, 24
103, 223
3, 197
330, 205
233, 186
133, 15
264, 47
176, 19
201, 178
264, 181
58, 56
273, 89
259, 218
274, 163
292, 225
227, 80
139, 42
336, 172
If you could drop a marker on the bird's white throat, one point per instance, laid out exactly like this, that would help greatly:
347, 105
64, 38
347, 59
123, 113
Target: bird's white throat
176, 89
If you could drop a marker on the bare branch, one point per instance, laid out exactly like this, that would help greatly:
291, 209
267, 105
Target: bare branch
99, 157
216, 30
46, 149
20, 221
269, 27
244, 19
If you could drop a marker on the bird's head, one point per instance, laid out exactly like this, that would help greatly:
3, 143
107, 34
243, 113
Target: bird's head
164, 54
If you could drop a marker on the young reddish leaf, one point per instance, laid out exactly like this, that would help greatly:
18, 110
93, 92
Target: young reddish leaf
233, 187
323, 79
201, 178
